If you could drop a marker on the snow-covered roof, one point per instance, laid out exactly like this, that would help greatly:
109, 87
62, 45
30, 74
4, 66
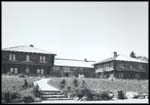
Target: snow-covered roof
26, 48
122, 58
73, 63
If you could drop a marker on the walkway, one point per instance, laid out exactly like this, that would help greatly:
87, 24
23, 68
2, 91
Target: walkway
44, 86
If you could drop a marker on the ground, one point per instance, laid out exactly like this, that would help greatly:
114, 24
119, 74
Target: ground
110, 101
11, 82
105, 84
52, 80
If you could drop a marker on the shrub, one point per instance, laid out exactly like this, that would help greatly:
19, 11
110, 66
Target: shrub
6, 97
12, 91
86, 94
15, 95
105, 95
9, 97
90, 94
62, 84
36, 91
69, 88
121, 95
28, 99
80, 93
75, 82
83, 83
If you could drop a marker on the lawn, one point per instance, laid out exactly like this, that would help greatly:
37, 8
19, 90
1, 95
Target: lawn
140, 86
10, 83
14, 84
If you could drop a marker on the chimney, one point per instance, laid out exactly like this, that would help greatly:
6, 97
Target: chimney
115, 54
85, 60
31, 45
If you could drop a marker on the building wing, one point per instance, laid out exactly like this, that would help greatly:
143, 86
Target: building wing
122, 58
73, 63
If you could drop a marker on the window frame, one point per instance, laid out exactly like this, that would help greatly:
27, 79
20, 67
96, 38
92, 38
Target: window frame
27, 58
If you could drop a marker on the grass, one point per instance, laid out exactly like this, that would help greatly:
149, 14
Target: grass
10, 83
98, 85
15, 84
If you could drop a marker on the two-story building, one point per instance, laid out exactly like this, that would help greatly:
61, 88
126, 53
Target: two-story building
120, 66
28, 60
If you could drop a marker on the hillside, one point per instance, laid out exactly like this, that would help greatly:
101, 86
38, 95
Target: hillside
103, 84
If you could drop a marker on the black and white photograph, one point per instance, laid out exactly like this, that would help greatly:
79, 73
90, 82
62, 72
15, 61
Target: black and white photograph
74, 52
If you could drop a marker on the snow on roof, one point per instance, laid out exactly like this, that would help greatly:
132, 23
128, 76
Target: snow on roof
122, 58
26, 48
73, 62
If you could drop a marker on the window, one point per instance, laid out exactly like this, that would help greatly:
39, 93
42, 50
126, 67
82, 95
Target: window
56, 68
11, 70
106, 64
121, 75
42, 71
27, 58
140, 66
27, 70
14, 57
10, 57
131, 66
127, 64
81, 68
42, 59
110, 64
137, 76
122, 64
38, 71
66, 69
74, 68
16, 70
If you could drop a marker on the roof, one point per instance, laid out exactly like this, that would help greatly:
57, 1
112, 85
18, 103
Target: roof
122, 58
26, 48
73, 63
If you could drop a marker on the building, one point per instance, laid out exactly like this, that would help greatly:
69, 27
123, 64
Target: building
28, 60
120, 66
73, 68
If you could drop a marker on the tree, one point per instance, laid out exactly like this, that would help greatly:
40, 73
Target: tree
75, 82
132, 54
62, 84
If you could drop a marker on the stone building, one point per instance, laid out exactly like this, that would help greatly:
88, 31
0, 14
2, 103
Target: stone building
120, 66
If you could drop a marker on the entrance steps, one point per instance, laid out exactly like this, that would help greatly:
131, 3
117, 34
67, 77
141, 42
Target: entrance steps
53, 95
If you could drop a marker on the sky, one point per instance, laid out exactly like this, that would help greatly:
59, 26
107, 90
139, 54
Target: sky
77, 30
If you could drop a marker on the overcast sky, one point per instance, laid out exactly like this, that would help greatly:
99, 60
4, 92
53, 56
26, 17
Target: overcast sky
79, 30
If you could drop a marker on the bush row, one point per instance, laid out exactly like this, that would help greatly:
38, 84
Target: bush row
82, 92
